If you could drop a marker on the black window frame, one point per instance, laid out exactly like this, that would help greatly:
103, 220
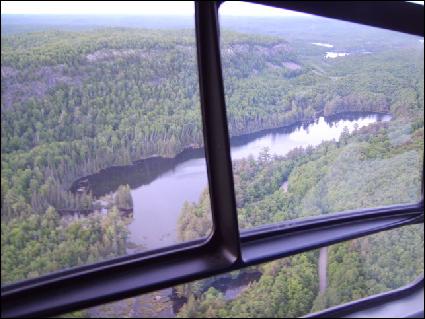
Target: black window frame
226, 249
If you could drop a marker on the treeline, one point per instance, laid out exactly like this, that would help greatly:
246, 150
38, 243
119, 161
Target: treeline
62, 93
358, 171
76, 102
376, 165
288, 287
371, 265
40, 244
60, 107
123, 199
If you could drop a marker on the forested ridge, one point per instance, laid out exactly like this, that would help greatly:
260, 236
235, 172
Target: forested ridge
75, 102
376, 165
62, 92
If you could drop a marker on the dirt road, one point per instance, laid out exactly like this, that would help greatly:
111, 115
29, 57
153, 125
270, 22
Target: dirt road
323, 262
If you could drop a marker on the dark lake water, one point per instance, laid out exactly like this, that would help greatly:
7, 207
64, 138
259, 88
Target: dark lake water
160, 186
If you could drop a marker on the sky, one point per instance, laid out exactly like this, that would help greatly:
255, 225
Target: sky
181, 8
233, 8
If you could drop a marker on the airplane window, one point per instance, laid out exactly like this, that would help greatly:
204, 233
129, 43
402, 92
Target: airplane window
101, 138
288, 287
324, 116
103, 158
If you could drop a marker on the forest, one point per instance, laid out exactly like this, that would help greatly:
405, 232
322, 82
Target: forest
358, 171
61, 92
76, 102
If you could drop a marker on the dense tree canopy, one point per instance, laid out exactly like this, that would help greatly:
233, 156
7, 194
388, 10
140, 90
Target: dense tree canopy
76, 102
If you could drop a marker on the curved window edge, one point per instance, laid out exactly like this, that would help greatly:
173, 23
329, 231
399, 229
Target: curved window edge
381, 305
222, 252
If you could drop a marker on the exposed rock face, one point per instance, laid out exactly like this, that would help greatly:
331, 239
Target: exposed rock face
291, 65
265, 50
7, 72
107, 54
284, 186
18, 86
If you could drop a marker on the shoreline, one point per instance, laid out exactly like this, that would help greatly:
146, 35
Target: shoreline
237, 139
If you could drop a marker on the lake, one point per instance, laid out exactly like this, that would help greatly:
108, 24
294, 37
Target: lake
160, 186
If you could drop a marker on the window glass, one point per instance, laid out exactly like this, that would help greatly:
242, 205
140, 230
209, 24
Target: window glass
101, 132
324, 115
289, 287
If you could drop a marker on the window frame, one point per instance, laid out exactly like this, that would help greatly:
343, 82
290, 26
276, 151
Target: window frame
226, 249
354, 308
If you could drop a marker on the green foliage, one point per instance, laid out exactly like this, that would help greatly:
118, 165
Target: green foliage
209, 306
74, 103
196, 221
377, 165
123, 197
61, 92
44, 243
75, 314
373, 264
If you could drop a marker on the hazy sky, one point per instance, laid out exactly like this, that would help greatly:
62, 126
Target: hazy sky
232, 8
134, 8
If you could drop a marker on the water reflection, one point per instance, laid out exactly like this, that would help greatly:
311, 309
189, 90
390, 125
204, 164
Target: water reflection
160, 186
